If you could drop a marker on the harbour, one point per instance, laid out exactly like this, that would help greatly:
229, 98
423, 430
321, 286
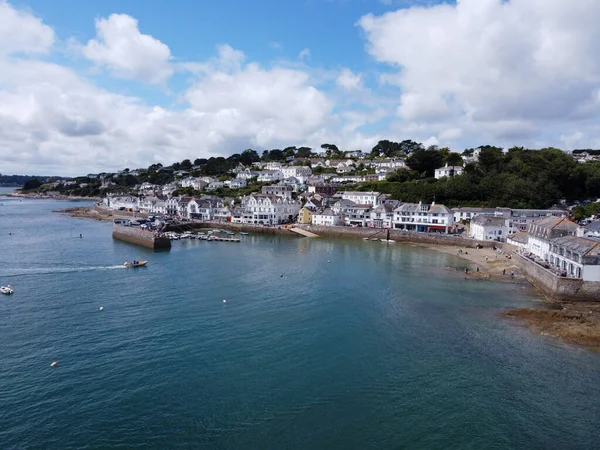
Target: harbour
313, 331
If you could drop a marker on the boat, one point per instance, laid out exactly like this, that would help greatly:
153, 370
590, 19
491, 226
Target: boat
243, 233
365, 239
6, 290
229, 233
135, 264
374, 239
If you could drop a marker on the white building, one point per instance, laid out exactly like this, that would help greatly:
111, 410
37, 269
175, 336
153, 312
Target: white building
382, 216
268, 176
542, 231
270, 209
279, 190
238, 183
302, 173
327, 218
215, 185
488, 228
468, 213
362, 198
195, 183
423, 217
448, 171
575, 257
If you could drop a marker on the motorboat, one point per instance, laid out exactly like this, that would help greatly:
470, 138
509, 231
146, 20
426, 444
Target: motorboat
243, 233
135, 264
6, 290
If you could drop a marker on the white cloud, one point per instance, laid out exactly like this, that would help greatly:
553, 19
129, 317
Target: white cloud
121, 48
517, 67
276, 45
349, 80
304, 53
20, 31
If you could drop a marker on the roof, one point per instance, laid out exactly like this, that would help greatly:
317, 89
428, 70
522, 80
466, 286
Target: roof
469, 209
583, 246
485, 221
593, 226
359, 193
521, 237
556, 223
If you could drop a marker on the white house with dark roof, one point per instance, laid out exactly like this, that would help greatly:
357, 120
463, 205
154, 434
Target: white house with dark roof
362, 198
542, 231
327, 218
488, 228
382, 216
575, 257
423, 217
467, 213
269, 209
448, 171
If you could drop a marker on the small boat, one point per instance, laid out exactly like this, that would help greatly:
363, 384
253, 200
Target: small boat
243, 233
373, 239
365, 239
6, 290
135, 264
229, 233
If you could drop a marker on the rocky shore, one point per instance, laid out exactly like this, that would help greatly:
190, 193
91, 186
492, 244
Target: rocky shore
54, 196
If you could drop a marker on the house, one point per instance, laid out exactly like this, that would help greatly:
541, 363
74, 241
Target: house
301, 173
215, 185
195, 183
327, 218
279, 190
168, 189
292, 181
208, 180
542, 231
465, 214
521, 218
269, 176
204, 208
519, 239
592, 229
575, 257
238, 183
269, 209
488, 228
273, 165
365, 198
305, 216
323, 188
313, 204
448, 171
382, 216
247, 174
359, 154
390, 163
341, 169
172, 206
423, 217
182, 207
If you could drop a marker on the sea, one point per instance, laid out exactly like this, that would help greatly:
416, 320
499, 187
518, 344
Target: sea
273, 343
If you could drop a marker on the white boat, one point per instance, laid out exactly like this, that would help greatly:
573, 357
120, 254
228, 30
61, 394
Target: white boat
6, 290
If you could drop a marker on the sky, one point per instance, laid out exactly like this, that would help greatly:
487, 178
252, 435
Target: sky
96, 86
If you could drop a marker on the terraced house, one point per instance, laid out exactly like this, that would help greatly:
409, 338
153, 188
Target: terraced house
423, 217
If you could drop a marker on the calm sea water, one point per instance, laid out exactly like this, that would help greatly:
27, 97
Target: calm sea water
384, 346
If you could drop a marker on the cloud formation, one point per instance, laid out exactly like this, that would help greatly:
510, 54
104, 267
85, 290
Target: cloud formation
514, 67
121, 48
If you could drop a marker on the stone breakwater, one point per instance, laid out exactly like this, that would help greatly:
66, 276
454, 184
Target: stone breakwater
141, 237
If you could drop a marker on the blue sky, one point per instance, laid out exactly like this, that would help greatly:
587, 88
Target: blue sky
88, 86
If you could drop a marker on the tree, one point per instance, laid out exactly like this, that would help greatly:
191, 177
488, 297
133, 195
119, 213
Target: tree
249, 156
331, 149
289, 152
425, 162
386, 148
401, 176
490, 158
200, 161
304, 152
31, 185
186, 164
454, 159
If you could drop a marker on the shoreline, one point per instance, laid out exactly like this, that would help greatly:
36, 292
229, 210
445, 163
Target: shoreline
569, 321
51, 197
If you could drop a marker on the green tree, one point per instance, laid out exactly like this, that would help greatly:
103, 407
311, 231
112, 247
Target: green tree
425, 161
30, 185
249, 156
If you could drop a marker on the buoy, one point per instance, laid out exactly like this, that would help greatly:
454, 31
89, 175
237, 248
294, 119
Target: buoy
328, 261
102, 308
54, 364
301, 251
281, 275
224, 301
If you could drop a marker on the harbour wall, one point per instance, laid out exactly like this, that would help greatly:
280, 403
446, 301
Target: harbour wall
558, 288
343, 232
134, 235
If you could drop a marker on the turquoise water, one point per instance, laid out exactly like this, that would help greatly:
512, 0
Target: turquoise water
384, 347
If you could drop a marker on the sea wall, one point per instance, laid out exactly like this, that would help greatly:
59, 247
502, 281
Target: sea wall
137, 236
344, 232
555, 287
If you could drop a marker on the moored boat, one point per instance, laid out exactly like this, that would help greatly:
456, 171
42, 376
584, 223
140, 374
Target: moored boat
243, 233
6, 290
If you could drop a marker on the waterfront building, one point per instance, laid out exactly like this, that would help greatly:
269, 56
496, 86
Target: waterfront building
205, 208
423, 217
305, 216
521, 218
327, 218
269, 209
575, 257
542, 231
488, 228
172, 205
382, 216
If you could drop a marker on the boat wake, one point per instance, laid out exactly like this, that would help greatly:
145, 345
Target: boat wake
16, 272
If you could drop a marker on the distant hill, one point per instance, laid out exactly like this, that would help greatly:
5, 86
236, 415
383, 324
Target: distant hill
20, 180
